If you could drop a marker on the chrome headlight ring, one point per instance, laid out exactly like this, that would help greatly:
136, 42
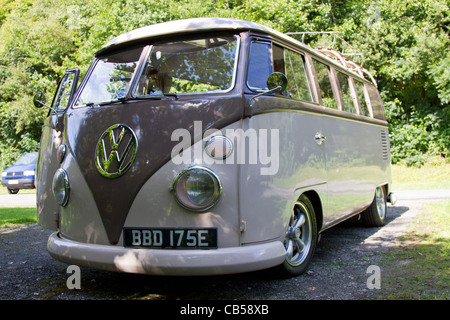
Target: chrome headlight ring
197, 188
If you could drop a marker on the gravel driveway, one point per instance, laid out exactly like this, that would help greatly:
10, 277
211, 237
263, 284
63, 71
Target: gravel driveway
338, 270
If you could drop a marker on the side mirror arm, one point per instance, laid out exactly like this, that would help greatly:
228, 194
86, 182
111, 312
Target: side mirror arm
277, 88
39, 101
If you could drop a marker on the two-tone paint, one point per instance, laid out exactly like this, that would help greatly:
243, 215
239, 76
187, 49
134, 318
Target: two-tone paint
336, 159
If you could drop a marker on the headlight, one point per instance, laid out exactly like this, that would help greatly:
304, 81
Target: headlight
4, 174
197, 188
28, 173
61, 187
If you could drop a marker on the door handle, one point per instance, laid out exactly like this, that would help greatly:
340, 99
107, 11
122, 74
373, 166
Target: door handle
320, 138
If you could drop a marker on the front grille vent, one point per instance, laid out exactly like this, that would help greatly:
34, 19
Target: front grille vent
13, 174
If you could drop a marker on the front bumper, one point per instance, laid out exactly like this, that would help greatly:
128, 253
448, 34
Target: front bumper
167, 262
19, 183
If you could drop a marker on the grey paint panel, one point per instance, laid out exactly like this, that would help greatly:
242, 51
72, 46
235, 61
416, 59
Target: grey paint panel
343, 171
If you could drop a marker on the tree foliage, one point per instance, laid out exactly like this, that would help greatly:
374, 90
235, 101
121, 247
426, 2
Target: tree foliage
405, 45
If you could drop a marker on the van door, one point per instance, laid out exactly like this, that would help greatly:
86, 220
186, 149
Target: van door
51, 140
281, 137
349, 147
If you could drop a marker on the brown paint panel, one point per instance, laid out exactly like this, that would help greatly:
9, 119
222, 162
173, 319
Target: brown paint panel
153, 122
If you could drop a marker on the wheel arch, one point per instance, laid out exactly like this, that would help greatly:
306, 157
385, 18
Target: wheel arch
314, 198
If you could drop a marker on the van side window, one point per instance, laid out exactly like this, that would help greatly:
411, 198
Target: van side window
266, 58
260, 66
363, 107
376, 103
298, 84
346, 96
326, 91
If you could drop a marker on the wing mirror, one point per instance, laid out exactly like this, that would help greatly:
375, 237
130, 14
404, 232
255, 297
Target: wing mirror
40, 99
276, 82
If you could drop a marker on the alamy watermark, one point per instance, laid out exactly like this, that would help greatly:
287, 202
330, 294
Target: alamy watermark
73, 281
374, 280
263, 147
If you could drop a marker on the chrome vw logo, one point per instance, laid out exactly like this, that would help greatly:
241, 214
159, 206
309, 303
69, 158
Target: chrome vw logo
116, 151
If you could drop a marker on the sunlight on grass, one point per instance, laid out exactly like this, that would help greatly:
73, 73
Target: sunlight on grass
429, 177
418, 267
10, 217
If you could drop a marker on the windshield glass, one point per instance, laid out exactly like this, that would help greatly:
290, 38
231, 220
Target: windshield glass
111, 77
201, 65
27, 158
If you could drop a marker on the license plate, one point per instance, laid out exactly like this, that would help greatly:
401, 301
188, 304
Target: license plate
13, 182
170, 238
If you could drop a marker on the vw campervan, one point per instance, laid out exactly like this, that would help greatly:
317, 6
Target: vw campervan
209, 146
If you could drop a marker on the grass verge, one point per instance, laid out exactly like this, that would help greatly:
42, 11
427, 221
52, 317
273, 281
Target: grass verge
10, 217
428, 177
419, 267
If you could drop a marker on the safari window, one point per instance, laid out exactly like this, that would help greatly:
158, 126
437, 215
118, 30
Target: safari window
201, 65
111, 77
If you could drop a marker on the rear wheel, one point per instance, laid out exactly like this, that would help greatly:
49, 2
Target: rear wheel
301, 238
376, 214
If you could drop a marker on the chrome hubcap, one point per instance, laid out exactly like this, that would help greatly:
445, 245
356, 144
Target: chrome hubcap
380, 202
298, 235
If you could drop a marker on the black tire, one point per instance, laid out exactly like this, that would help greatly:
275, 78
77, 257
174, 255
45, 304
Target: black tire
12, 191
376, 214
301, 239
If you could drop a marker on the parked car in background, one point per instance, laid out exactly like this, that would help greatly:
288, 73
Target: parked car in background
21, 174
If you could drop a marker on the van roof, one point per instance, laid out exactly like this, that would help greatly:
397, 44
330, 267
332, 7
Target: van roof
192, 25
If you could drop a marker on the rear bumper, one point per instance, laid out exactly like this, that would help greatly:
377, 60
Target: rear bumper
392, 198
167, 262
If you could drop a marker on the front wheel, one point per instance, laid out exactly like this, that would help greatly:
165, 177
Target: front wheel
13, 191
301, 238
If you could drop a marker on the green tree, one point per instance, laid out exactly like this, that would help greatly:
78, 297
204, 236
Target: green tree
37, 42
405, 45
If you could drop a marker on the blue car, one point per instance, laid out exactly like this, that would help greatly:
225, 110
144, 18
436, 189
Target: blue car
21, 174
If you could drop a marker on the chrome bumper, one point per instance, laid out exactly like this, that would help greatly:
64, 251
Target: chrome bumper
167, 262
